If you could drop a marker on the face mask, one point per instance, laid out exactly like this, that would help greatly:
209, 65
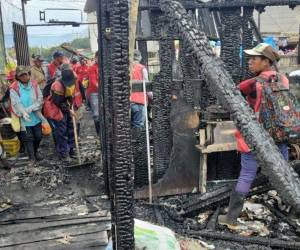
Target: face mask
70, 91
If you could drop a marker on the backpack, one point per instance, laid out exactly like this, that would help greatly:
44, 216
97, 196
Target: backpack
47, 89
279, 110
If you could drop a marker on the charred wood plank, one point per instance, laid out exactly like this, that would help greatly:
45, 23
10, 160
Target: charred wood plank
80, 242
250, 240
211, 224
210, 200
221, 84
35, 236
30, 226
247, 3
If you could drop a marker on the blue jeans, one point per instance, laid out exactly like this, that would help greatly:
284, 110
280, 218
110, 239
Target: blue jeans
94, 104
138, 114
249, 168
63, 134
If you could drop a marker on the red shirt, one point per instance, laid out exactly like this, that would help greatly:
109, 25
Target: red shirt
93, 80
82, 72
252, 89
137, 74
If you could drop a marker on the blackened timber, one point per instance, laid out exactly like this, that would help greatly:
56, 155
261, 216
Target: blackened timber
279, 172
218, 5
246, 3
122, 149
283, 244
162, 141
230, 41
247, 39
255, 30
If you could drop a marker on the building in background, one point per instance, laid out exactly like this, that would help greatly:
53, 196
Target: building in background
90, 8
283, 25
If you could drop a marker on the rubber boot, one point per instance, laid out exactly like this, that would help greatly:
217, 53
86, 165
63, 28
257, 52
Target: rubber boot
4, 164
97, 126
235, 208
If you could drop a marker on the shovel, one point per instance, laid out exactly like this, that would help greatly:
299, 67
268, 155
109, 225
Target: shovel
80, 164
76, 137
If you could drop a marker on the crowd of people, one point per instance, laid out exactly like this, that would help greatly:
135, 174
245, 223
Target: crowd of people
47, 100
40, 101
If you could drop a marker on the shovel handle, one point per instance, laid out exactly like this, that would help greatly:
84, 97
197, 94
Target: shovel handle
76, 136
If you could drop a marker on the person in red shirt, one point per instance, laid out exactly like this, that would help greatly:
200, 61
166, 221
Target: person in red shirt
82, 70
74, 63
137, 100
92, 92
54, 70
262, 58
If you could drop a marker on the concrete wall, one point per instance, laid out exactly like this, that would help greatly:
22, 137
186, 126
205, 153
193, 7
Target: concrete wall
280, 19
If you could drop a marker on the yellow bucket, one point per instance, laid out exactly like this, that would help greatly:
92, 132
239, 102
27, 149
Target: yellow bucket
11, 147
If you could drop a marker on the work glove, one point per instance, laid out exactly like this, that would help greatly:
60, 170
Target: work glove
26, 117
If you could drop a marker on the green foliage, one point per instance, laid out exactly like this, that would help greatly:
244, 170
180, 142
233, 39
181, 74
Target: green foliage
78, 43
81, 43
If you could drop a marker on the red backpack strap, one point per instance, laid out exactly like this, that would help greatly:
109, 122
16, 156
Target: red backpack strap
15, 87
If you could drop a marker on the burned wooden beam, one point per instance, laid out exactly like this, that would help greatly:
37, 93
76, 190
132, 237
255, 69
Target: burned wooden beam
246, 3
221, 84
250, 240
222, 4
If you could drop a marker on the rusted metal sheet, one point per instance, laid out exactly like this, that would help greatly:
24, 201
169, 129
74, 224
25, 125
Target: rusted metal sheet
21, 44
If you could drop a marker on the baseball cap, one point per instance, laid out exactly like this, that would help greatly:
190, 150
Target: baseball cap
58, 54
38, 58
263, 49
20, 70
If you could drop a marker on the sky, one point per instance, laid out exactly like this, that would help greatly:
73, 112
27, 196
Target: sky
44, 36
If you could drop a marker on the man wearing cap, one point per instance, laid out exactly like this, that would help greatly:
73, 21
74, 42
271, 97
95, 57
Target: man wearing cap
54, 70
261, 62
37, 72
62, 96
26, 103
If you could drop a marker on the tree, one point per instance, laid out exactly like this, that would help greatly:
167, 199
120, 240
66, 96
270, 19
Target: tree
78, 43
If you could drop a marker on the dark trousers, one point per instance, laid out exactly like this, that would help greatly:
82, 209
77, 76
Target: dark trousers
63, 134
31, 138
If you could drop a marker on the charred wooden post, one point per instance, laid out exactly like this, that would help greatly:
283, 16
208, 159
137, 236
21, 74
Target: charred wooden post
230, 41
144, 52
247, 39
189, 72
122, 152
105, 102
162, 141
278, 170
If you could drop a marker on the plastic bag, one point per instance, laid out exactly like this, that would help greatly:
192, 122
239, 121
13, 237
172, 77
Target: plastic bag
15, 123
152, 237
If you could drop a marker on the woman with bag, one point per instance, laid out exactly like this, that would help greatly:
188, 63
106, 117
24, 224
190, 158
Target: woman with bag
26, 104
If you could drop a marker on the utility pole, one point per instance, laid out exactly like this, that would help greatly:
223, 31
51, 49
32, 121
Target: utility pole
23, 11
2, 44
299, 47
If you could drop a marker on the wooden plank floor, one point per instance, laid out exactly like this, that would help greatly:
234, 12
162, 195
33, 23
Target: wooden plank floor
55, 207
